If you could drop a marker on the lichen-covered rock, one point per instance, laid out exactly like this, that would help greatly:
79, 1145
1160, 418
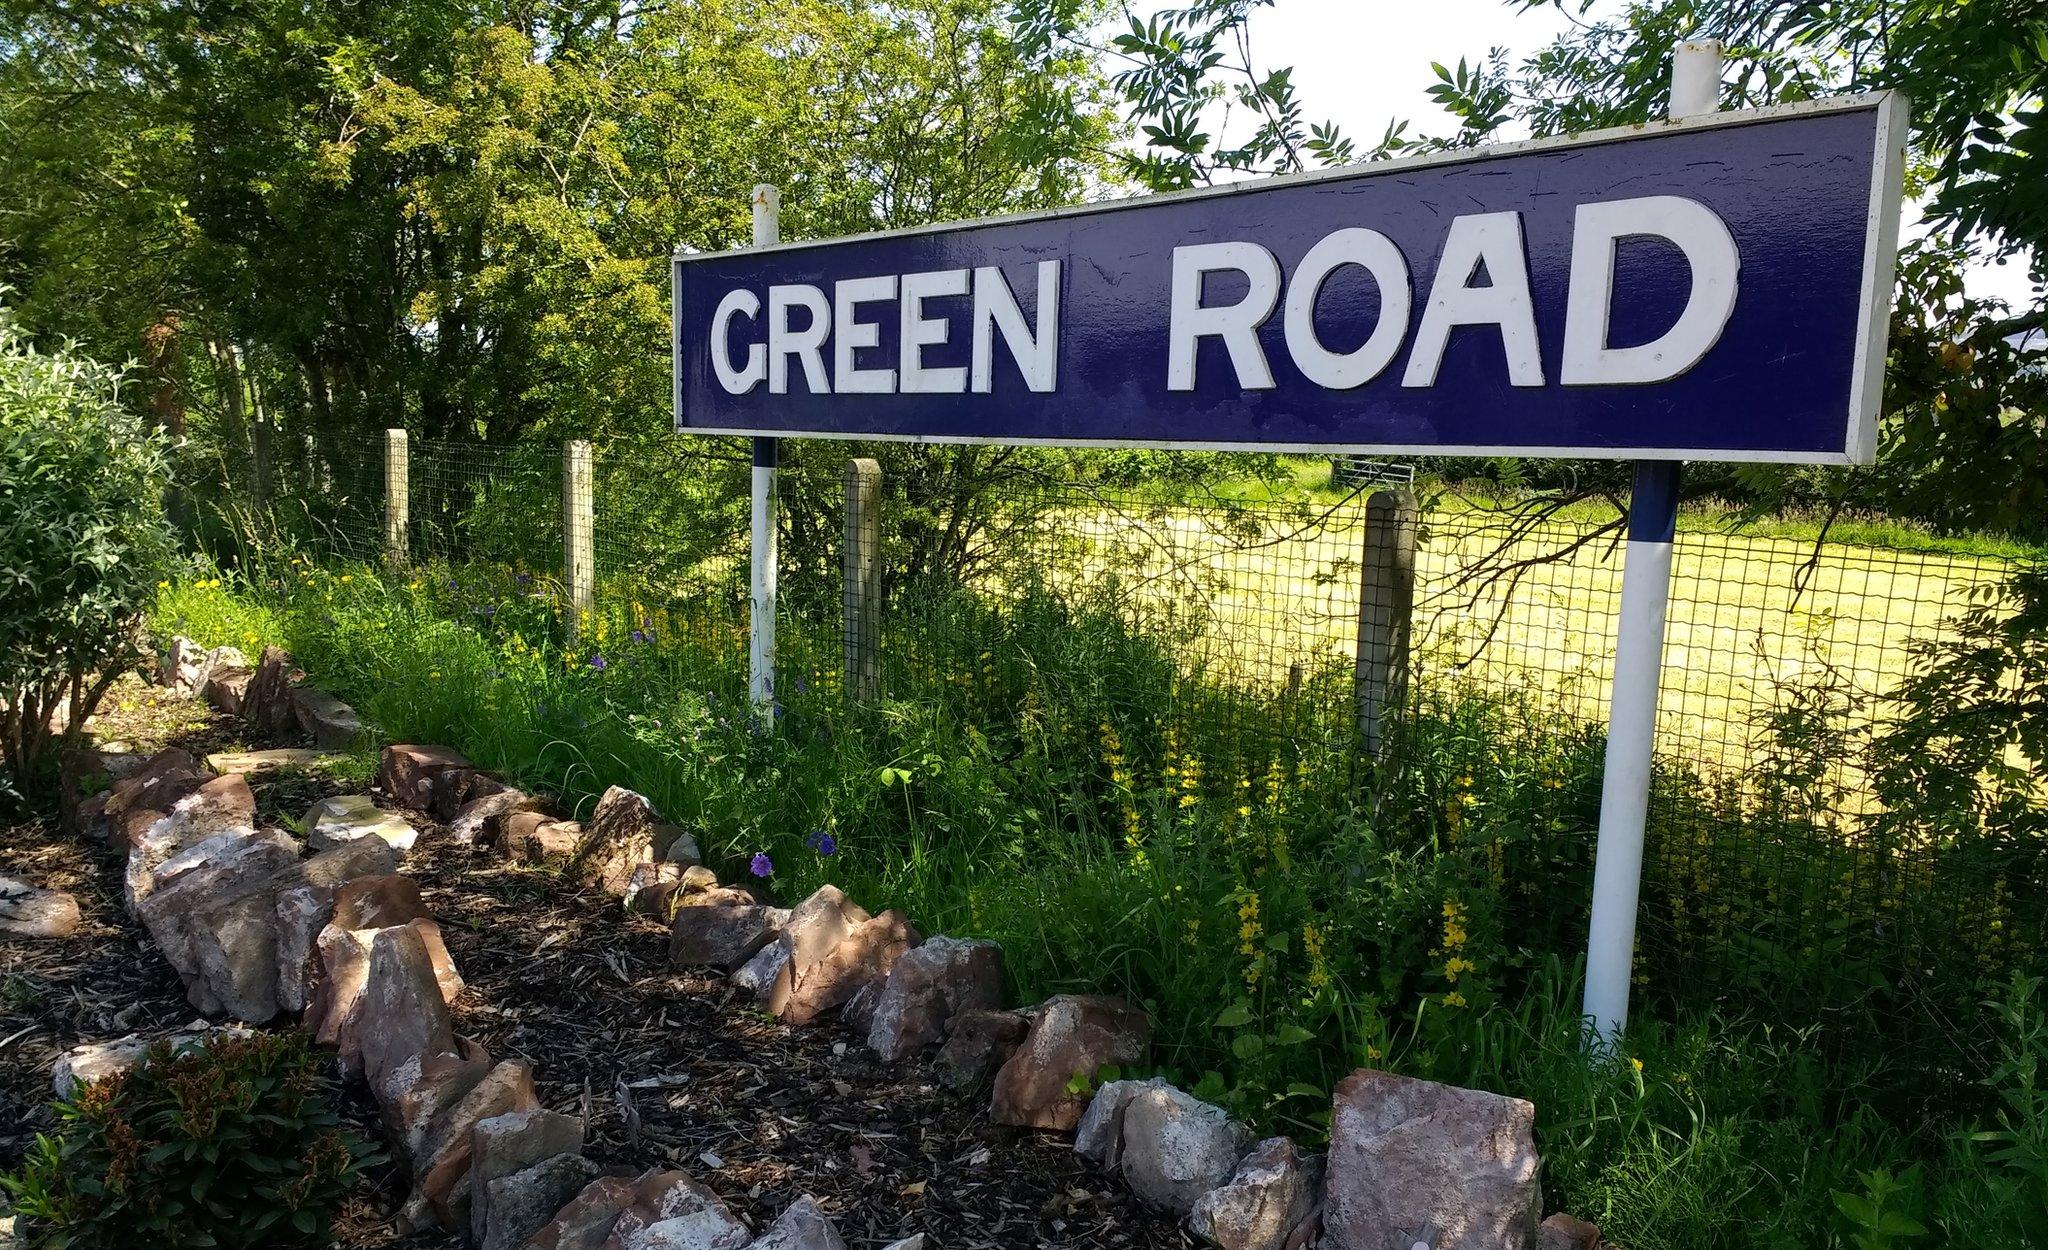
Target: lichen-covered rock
1270, 1196
441, 1190
1419, 1161
659, 1210
864, 956
1073, 1034
927, 987
477, 822
1177, 1148
400, 1013
214, 920
758, 975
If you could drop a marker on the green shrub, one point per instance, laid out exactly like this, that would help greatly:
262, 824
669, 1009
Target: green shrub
234, 1144
83, 541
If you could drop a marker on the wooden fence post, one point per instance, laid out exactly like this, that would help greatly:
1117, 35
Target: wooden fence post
1385, 610
862, 565
579, 534
397, 499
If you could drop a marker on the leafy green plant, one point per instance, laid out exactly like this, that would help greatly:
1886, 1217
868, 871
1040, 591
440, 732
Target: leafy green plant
1878, 1217
83, 541
233, 1143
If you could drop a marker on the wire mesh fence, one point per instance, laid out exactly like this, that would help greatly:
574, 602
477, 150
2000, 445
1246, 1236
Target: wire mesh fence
1782, 661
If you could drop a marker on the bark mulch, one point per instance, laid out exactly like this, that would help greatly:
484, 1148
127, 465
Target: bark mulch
670, 1067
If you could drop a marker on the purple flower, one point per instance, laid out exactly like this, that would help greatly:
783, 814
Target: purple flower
597, 661
642, 637
762, 865
802, 686
522, 580
485, 609
823, 843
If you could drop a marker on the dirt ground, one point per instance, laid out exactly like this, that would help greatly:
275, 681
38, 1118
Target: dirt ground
671, 1068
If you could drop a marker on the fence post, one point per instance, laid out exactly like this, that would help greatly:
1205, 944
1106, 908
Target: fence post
579, 558
1386, 604
397, 498
259, 446
862, 560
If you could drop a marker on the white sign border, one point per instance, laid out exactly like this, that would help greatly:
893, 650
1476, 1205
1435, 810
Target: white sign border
1866, 386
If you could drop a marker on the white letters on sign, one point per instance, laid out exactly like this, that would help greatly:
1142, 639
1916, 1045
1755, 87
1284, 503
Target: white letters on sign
1481, 279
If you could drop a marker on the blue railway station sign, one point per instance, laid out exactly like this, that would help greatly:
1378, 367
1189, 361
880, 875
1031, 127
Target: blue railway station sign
1709, 289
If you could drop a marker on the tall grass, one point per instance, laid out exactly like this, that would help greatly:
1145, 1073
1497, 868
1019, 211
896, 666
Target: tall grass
1043, 774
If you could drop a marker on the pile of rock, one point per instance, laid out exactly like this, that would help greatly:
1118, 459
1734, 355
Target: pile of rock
270, 695
256, 927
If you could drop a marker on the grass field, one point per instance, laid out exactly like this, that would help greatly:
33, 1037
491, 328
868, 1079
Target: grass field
1757, 626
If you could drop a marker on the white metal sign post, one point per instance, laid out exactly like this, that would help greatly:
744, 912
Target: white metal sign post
1638, 669
767, 451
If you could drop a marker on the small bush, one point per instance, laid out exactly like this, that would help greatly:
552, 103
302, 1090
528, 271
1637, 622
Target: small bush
234, 1144
83, 540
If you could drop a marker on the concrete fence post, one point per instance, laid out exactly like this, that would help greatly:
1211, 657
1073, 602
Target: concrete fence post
1386, 607
579, 531
397, 498
862, 561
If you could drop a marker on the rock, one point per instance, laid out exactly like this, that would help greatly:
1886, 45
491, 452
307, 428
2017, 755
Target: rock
866, 955
801, 1226
477, 820
506, 1144
757, 976
653, 888
423, 1088
306, 906
181, 665
1073, 1034
455, 789
521, 1204
929, 986
441, 1192
378, 902
1099, 1138
226, 687
1419, 1161
267, 699
339, 1013
408, 772
1270, 1195
858, 1013
168, 776
534, 837
1563, 1232
348, 818
721, 928
913, 1242
95, 1061
211, 910
677, 846
1177, 1147
331, 724
618, 836
587, 1220
980, 1043
401, 1013
274, 760
218, 804
29, 911
659, 1210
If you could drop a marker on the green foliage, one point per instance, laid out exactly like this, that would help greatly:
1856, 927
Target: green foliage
1046, 774
82, 543
233, 1143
